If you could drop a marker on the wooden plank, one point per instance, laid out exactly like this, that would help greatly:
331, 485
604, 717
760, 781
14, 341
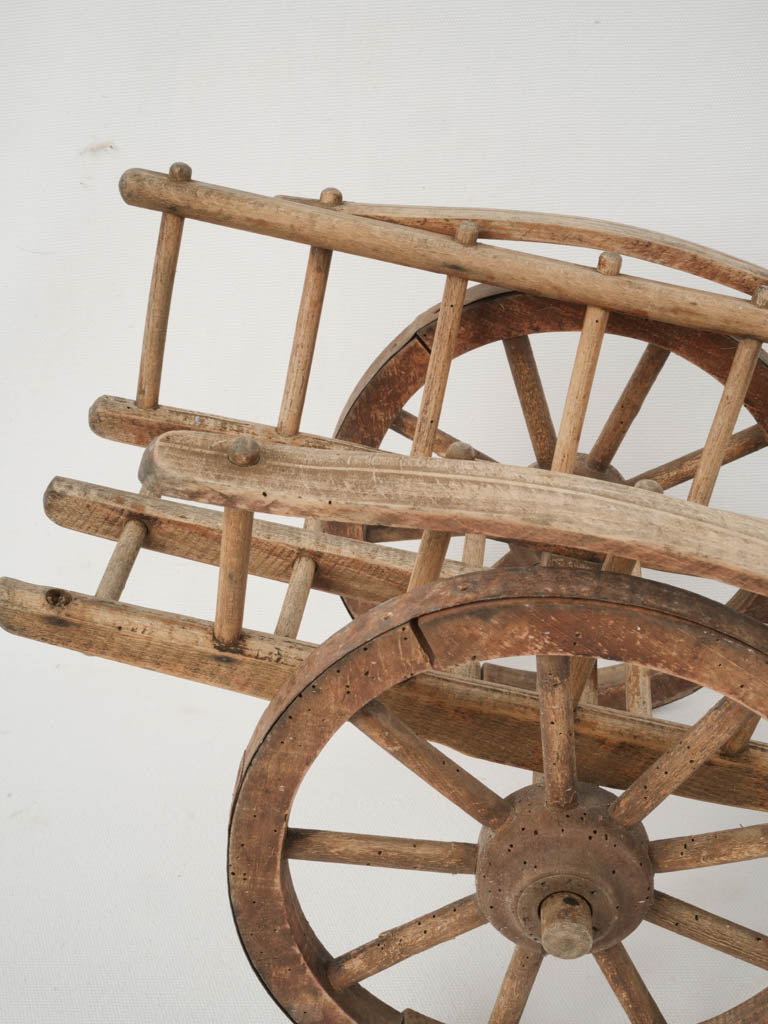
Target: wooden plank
471, 497
313, 225
381, 851
479, 718
349, 567
699, 851
559, 229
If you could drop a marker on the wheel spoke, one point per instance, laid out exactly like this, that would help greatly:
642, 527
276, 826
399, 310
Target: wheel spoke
389, 731
670, 771
381, 851
558, 747
629, 988
709, 929
516, 986
700, 851
742, 443
398, 944
533, 401
740, 740
628, 406
405, 422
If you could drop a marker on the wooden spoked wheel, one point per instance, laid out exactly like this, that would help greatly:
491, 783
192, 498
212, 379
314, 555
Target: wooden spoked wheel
590, 877
517, 320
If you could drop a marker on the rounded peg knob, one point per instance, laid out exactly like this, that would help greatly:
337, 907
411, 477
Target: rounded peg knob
650, 485
566, 925
609, 263
244, 451
331, 197
180, 172
467, 232
460, 450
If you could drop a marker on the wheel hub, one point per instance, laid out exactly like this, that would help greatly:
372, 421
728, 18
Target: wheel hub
540, 851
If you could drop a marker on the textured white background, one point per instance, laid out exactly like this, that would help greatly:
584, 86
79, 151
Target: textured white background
115, 781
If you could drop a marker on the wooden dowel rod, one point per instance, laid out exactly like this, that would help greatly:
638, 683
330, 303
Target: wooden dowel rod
160, 292
629, 988
558, 748
731, 401
628, 406
516, 986
566, 925
313, 225
381, 851
305, 335
405, 425
124, 554
583, 374
299, 589
473, 557
237, 524
743, 442
700, 851
533, 401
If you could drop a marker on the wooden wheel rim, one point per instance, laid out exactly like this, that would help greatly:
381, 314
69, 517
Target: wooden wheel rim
530, 611
491, 314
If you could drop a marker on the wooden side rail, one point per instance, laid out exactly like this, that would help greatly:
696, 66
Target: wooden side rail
468, 497
481, 719
425, 250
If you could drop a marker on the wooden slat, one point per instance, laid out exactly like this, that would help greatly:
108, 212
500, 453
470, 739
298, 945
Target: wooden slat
629, 988
743, 442
479, 718
709, 929
312, 225
407, 940
159, 303
699, 851
516, 986
703, 740
627, 407
557, 737
381, 851
533, 401
582, 375
473, 497
389, 731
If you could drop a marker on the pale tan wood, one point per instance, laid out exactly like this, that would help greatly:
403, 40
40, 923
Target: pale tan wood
313, 225
398, 944
474, 497
627, 407
516, 986
295, 602
558, 746
381, 851
305, 335
429, 558
590, 693
743, 442
582, 375
473, 557
132, 538
699, 851
703, 740
237, 524
345, 566
629, 988
389, 731
566, 925
159, 303
533, 401
584, 232
709, 929
482, 719
405, 425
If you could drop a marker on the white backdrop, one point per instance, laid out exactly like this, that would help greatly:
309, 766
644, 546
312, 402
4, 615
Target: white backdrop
116, 781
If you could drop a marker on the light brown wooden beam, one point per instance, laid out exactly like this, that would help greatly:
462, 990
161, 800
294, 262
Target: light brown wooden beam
405, 941
313, 225
482, 719
678, 471
561, 229
709, 929
233, 575
472, 497
707, 848
381, 851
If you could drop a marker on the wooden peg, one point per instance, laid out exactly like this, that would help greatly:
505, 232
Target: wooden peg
159, 304
125, 552
305, 334
583, 374
566, 925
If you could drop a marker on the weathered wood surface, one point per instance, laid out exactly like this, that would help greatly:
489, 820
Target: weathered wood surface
483, 719
707, 848
558, 748
313, 225
381, 851
533, 401
469, 497
237, 525
629, 988
562, 229
516, 986
566, 925
683, 468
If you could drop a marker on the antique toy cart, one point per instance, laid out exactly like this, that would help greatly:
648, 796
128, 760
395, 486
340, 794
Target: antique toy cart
562, 867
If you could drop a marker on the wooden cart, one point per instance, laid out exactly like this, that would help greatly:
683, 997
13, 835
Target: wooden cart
562, 867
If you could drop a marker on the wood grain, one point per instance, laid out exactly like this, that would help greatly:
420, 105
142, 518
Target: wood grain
700, 851
516, 987
381, 851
